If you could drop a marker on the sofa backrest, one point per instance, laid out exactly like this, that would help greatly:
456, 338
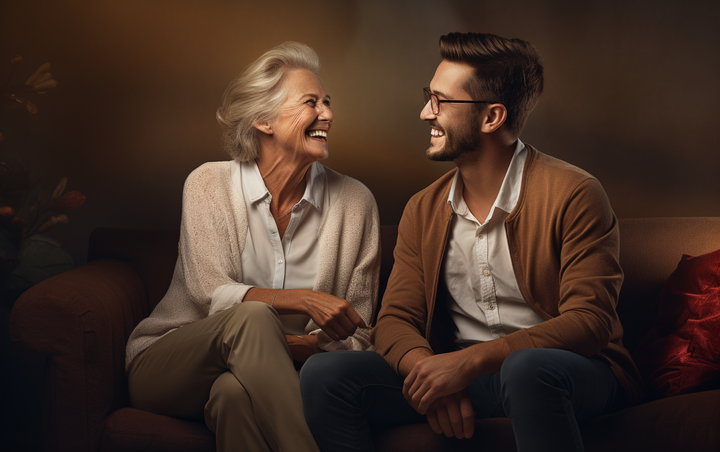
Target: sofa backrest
650, 249
151, 252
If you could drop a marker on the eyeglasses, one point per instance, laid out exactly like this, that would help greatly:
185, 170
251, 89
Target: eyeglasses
435, 102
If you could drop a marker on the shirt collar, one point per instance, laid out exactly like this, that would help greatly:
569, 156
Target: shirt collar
509, 190
255, 188
315, 188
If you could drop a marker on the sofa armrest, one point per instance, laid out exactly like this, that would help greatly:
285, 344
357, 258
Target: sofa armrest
80, 321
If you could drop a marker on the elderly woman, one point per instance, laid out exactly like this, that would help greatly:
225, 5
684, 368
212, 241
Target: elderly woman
278, 259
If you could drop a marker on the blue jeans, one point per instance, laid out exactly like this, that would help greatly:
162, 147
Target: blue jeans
546, 393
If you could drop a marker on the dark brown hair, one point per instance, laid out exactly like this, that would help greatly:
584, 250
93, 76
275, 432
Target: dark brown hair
507, 71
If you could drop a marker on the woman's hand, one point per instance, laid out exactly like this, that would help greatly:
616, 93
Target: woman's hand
302, 347
333, 315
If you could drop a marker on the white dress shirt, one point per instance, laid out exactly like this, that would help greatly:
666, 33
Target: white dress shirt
291, 262
485, 301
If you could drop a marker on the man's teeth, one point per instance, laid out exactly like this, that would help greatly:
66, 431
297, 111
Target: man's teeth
318, 133
436, 133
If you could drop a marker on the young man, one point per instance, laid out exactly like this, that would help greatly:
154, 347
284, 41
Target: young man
502, 299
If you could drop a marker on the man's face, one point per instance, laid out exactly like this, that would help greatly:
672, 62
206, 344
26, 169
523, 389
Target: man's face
454, 130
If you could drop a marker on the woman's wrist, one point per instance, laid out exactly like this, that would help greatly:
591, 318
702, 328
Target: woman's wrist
304, 340
293, 301
302, 346
285, 301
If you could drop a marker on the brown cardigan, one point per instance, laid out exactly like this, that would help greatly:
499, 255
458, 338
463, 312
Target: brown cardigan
564, 244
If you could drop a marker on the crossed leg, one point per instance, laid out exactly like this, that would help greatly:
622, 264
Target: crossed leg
234, 370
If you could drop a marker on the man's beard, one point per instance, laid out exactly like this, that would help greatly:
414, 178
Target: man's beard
459, 141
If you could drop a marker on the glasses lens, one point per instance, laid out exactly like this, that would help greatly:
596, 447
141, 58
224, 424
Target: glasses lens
428, 96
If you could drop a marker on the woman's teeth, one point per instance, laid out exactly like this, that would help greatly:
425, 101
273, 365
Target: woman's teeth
318, 133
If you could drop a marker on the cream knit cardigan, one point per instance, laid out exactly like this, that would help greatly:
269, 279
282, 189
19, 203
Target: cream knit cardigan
212, 237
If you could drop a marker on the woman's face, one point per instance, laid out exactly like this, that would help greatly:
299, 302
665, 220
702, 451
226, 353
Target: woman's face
304, 119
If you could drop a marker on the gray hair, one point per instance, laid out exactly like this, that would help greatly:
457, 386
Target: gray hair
257, 94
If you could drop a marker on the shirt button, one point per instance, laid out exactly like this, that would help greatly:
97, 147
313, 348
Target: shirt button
480, 236
486, 272
280, 261
491, 307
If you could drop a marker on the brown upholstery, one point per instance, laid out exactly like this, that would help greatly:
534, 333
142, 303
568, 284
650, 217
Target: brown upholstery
81, 319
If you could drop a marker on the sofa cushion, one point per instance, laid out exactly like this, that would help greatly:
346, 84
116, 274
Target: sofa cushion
684, 423
681, 351
137, 430
494, 434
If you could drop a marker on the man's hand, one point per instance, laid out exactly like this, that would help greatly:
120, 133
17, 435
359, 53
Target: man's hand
452, 415
436, 376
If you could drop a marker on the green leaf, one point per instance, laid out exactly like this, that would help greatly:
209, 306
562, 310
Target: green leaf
40, 258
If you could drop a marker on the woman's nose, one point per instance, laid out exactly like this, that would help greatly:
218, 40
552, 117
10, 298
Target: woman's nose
326, 113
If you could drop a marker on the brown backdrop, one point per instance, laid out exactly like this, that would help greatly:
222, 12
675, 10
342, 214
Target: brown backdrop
632, 93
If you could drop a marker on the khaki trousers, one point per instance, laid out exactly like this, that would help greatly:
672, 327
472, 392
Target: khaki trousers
233, 369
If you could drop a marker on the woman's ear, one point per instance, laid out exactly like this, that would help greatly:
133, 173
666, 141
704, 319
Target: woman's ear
264, 127
494, 117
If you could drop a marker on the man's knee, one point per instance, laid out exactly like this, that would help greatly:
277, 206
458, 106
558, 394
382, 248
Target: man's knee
533, 370
323, 371
342, 377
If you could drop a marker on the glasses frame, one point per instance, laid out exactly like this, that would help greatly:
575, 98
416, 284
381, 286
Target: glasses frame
435, 101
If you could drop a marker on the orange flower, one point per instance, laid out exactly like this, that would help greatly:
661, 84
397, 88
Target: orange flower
42, 79
69, 201
30, 107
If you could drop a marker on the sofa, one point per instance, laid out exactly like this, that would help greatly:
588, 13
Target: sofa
81, 319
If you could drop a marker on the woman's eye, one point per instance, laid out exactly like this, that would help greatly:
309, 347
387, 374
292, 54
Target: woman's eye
311, 102
327, 103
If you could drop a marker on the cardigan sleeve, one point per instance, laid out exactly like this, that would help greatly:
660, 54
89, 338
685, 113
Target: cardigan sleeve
402, 320
581, 309
350, 260
205, 278
213, 219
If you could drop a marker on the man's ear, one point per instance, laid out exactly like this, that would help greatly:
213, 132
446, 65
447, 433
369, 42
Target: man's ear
494, 117
264, 127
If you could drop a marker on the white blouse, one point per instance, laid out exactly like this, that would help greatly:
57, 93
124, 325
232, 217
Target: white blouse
291, 262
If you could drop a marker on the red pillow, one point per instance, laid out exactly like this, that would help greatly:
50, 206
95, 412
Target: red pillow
682, 349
